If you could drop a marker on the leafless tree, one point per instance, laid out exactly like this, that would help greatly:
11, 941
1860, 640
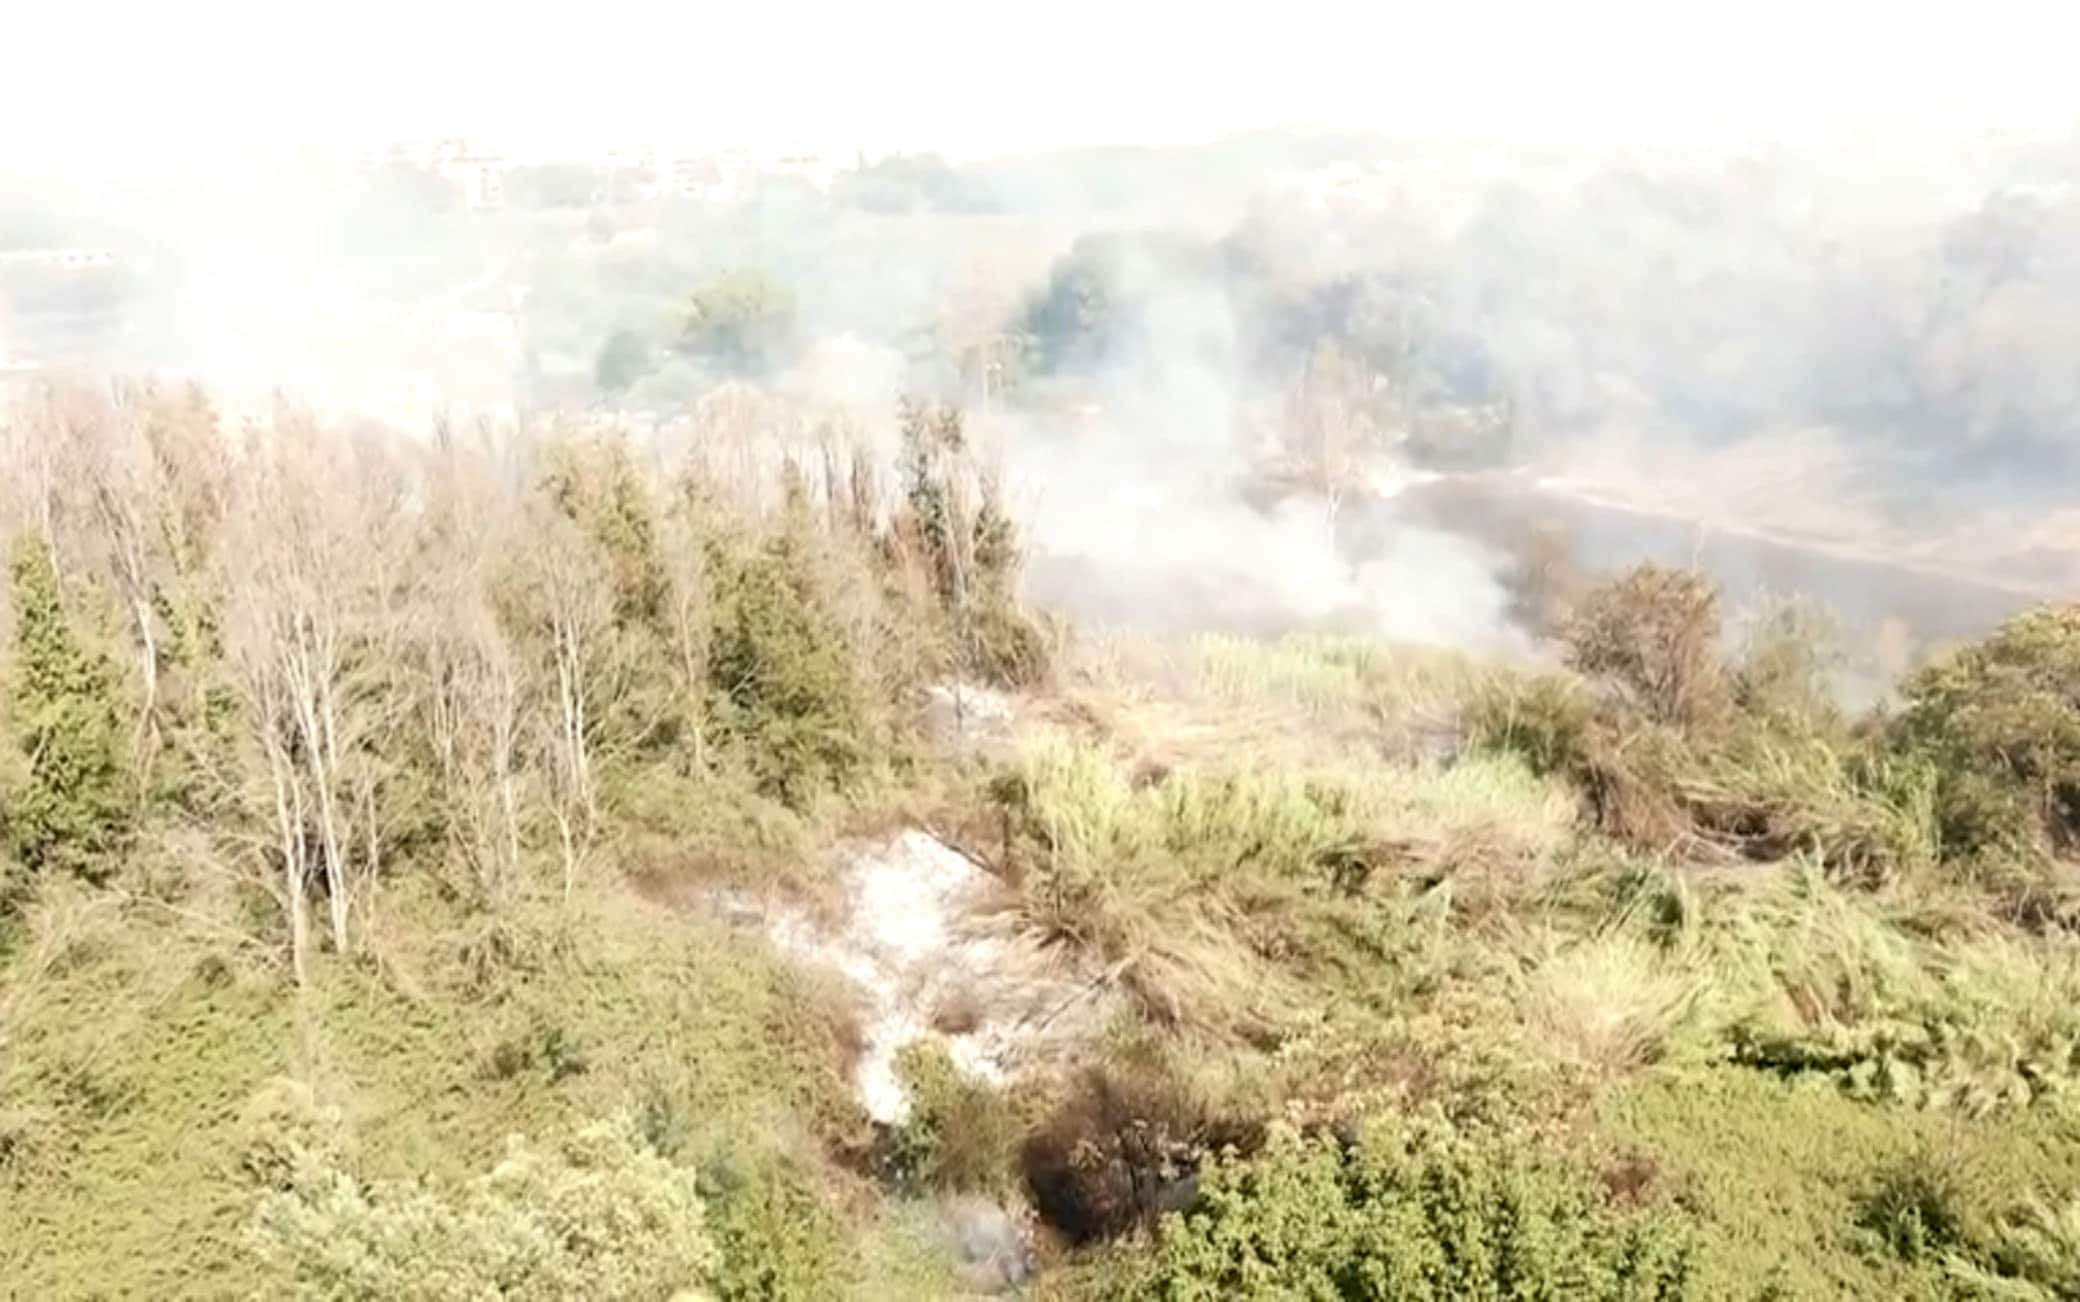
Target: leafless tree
312, 630
566, 599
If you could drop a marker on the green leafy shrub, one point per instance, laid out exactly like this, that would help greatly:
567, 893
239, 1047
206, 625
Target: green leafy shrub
74, 807
961, 1133
287, 1133
1763, 794
953, 524
597, 485
1999, 722
743, 321
1545, 719
1407, 1211
595, 1216
1782, 1178
1914, 1210
779, 1240
1788, 662
1167, 883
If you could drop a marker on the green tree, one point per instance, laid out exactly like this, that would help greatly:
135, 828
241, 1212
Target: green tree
742, 321
785, 685
623, 360
74, 805
1998, 723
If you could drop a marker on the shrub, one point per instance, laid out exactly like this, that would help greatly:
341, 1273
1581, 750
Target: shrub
786, 687
961, 1132
1005, 646
597, 486
1178, 887
74, 806
1781, 1175
1914, 1209
1820, 980
1999, 721
1676, 751
1789, 657
1653, 634
743, 321
1410, 1211
953, 524
1613, 1003
287, 1134
1545, 719
1764, 795
779, 1241
595, 1216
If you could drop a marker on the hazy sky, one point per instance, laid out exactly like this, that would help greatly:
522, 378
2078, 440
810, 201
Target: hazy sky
103, 82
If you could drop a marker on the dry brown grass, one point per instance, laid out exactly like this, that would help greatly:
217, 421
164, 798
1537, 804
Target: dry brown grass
1652, 634
1611, 1004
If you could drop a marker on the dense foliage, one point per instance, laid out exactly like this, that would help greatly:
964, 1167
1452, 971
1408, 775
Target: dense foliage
368, 803
1410, 1212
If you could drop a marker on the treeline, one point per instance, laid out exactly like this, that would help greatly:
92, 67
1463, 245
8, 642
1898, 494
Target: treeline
1699, 310
307, 662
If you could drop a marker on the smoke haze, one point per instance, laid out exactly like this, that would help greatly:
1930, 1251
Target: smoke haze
1225, 380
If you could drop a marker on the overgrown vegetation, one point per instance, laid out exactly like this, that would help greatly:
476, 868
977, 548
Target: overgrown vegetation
71, 807
1411, 1211
348, 789
597, 1215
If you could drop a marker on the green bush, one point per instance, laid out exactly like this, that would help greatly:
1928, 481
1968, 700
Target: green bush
1792, 1183
953, 524
779, 1240
1545, 719
1165, 883
743, 321
598, 486
1999, 722
961, 1132
595, 1216
1914, 1210
74, 805
1409, 1211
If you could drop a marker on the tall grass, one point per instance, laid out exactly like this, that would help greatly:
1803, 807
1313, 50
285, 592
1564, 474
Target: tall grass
1336, 679
1193, 888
